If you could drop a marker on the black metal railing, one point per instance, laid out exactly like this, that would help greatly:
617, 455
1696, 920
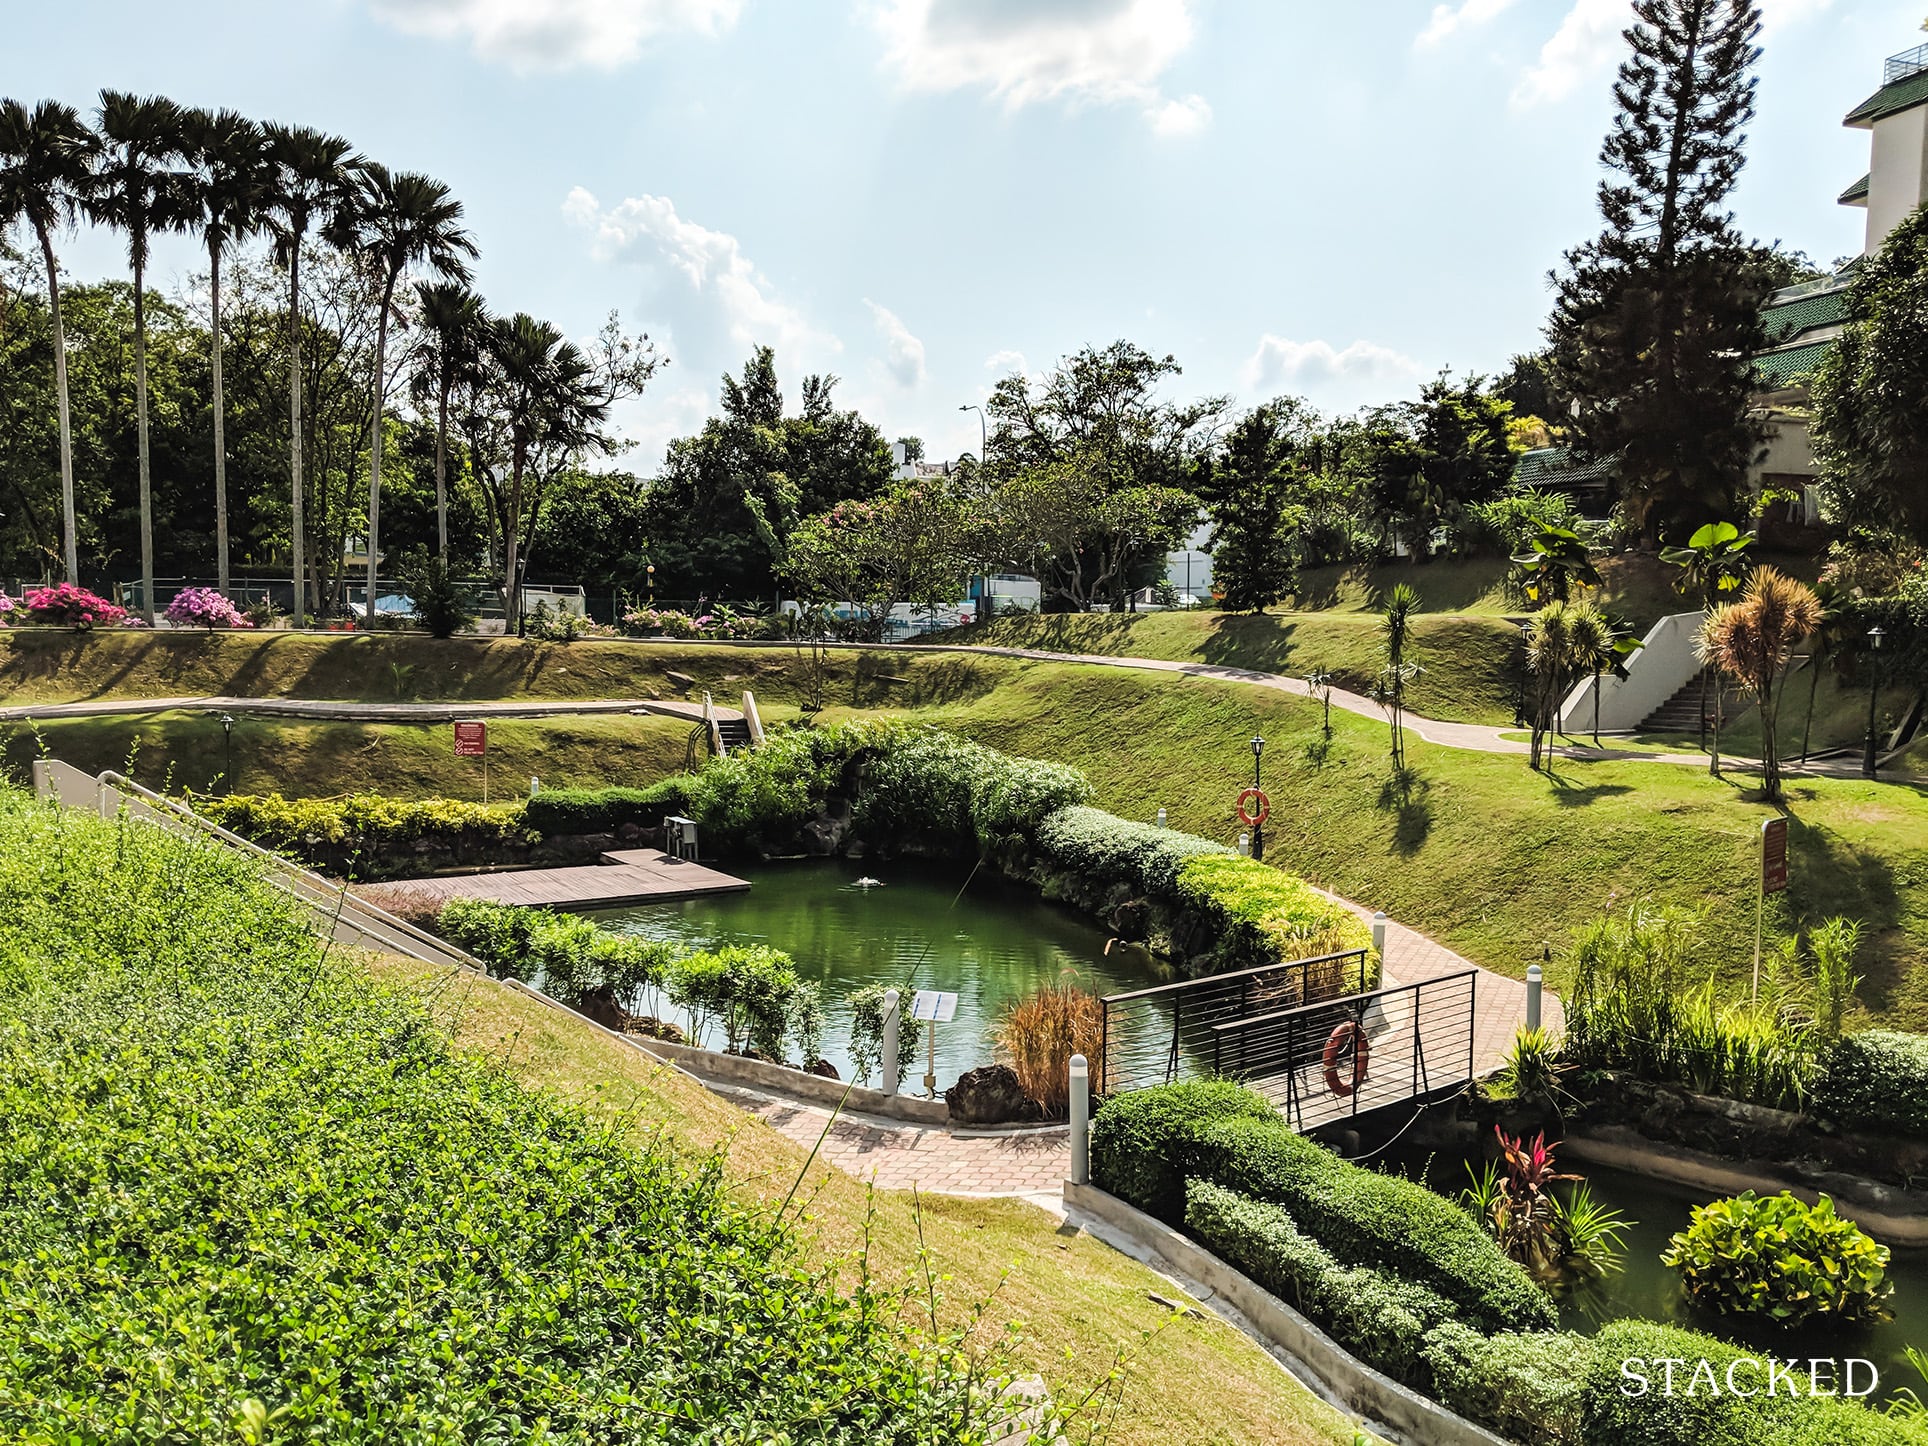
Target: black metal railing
1154, 1036
1416, 1041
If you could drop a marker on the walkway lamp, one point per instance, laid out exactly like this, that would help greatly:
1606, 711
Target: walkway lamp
227, 742
1875, 635
1519, 678
1258, 829
651, 571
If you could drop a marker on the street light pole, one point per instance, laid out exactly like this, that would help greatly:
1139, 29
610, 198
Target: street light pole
1258, 829
227, 740
1875, 635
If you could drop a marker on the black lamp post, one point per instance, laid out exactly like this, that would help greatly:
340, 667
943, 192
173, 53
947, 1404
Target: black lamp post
1258, 829
651, 571
1875, 636
1519, 678
227, 743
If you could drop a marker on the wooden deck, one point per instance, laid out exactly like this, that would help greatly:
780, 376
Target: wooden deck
625, 876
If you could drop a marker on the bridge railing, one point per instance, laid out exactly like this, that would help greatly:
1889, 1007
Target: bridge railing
1417, 1041
1157, 1035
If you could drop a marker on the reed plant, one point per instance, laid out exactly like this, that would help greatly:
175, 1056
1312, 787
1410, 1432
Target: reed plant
1038, 1034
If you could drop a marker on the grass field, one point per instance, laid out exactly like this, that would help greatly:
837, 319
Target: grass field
1189, 1380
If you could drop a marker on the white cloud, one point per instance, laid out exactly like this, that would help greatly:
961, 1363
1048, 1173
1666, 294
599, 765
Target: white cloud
1280, 362
1448, 19
903, 353
1588, 44
647, 231
1007, 362
557, 34
1110, 52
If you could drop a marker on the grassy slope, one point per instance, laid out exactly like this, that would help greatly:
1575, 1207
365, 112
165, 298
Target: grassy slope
1195, 1381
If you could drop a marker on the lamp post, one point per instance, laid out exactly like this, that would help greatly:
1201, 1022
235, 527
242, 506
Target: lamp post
650, 572
1519, 684
227, 743
1258, 829
1875, 636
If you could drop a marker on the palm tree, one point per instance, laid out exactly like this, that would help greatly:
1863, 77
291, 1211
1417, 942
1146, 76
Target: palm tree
1751, 642
134, 190
228, 189
404, 220
455, 317
1396, 623
312, 179
46, 159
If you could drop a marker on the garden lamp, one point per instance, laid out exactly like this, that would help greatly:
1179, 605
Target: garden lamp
227, 742
1875, 635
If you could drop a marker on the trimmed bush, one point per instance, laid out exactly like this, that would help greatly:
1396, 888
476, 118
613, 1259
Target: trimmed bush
558, 811
1380, 1318
1780, 1258
754, 993
1102, 846
1266, 914
1186, 1132
366, 828
1877, 1081
1529, 1386
1610, 1416
497, 934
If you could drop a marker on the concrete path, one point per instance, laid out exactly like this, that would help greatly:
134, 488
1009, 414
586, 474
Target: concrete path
361, 712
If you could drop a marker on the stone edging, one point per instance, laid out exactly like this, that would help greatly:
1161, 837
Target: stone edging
1397, 1412
811, 1088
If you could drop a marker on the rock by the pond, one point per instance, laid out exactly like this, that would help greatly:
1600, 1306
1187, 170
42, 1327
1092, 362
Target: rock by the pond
825, 1069
990, 1095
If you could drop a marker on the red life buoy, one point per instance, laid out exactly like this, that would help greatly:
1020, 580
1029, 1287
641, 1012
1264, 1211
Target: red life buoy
1335, 1048
1254, 808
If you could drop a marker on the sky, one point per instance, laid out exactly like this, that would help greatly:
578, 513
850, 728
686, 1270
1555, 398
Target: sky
1333, 200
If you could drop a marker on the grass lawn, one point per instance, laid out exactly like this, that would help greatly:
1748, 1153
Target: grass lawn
1190, 1381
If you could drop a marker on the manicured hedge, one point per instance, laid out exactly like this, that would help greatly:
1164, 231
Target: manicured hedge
1147, 1145
1877, 1081
330, 832
603, 810
251, 1195
1101, 845
1528, 1386
1265, 914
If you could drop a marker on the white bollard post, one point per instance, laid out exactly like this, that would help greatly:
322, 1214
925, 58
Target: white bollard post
890, 1042
1161, 818
1080, 1121
1535, 982
1245, 845
1379, 935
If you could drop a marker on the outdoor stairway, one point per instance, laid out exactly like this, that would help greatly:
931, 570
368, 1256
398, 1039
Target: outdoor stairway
733, 734
1682, 712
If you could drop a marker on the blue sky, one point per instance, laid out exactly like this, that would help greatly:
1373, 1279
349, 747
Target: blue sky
1334, 198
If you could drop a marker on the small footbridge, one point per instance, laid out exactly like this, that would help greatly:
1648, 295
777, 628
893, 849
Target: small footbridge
1317, 1037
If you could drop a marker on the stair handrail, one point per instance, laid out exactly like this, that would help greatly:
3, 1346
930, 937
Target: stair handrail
753, 718
716, 729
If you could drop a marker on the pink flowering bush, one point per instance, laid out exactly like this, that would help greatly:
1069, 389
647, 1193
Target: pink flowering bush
70, 606
658, 622
7, 605
203, 607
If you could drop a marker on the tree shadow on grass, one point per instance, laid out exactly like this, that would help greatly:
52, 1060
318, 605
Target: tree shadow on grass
1406, 794
1568, 793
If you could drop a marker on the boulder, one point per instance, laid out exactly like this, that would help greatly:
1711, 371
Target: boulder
824, 1069
990, 1095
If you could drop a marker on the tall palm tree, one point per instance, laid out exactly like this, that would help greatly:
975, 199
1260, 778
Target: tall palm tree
136, 190
228, 188
312, 181
1752, 641
46, 159
455, 317
403, 219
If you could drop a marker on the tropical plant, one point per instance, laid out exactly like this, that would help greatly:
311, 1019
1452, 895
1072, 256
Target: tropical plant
311, 181
456, 321
1907, 1404
1531, 1069
866, 1006
1776, 1257
1713, 564
134, 190
1562, 642
1038, 1034
441, 603
1751, 642
1557, 560
47, 159
1520, 1211
1595, 1233
401, 219
225, 189
1396, 628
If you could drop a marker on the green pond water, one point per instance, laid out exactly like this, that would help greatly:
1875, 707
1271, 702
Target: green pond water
1648, 1290
984, 940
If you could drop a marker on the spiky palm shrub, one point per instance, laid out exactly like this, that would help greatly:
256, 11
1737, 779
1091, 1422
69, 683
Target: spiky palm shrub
1751, 642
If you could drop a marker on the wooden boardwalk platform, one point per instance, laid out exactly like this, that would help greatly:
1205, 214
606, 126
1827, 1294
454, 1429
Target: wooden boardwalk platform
625, 876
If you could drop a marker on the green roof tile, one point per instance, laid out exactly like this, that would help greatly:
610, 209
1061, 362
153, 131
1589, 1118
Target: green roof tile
1790, 365
1891, 99
1556, 467
1857, 192
1787, 320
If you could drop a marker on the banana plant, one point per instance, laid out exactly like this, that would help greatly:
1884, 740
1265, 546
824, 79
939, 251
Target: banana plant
1557, 560
1713, 564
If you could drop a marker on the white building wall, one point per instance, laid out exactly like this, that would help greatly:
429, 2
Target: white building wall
1898, 176
1664, 665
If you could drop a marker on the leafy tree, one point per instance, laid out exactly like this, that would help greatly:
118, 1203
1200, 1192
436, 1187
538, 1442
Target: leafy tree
401, 219
1083, 529
912, 545
1657, 319
722, 511
454, 319
1527, 386
1557, 560
1396, 625
135, 190
441, 604
1871, 393
225, 190
46, 159
1752, 641
1434, 459
1714, 563
1249, 496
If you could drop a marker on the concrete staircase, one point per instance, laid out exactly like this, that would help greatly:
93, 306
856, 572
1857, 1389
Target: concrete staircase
1681, 714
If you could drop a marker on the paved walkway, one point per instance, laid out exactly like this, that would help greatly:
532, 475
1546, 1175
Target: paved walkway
361, 712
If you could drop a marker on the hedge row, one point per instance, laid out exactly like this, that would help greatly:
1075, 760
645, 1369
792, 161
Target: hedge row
1876, 1081
560, 811
1101, 845
365, 824
1148, 1145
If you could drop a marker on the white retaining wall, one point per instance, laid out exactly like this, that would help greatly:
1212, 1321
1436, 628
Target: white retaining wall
1664, 665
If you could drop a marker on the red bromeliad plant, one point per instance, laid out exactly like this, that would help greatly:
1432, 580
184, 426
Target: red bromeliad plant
1519, 1206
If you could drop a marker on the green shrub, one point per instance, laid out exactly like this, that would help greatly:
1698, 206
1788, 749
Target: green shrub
931, 791
752, 991
367, 832
251, 1195
1147, 1144
442, 605
1528, 1386
559, 811
1777, 1257
1267, 915
1613, 1415
1380, 1318
1877, 1081
759, 799
1101, 846
866, 1006
497, 934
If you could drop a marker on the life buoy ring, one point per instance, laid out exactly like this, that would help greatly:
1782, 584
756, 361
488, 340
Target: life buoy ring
1254, 808
1335, 1048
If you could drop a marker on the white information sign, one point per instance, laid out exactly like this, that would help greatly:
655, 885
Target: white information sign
934, 1006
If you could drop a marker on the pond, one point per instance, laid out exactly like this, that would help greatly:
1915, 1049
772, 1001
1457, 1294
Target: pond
930, 926
1648, 1290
